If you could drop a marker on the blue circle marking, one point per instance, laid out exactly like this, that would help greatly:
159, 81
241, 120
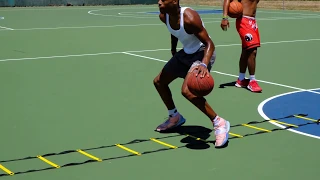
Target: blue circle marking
293, 103
211, 11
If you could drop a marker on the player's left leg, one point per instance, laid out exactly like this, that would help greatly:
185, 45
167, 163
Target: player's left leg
253, 84
171, 71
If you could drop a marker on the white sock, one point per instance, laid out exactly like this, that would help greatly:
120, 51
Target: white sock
173, 112
242, 76
252, 77
215, 119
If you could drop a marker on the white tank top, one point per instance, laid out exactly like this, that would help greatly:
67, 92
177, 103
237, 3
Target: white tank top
189, 41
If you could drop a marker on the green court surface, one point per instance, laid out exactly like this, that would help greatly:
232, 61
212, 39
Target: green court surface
82, 78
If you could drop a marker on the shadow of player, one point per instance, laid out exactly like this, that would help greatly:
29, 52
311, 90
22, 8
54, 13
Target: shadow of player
227, 84
232, 84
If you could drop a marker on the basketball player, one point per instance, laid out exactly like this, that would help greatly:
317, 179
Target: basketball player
198, 53
249, 34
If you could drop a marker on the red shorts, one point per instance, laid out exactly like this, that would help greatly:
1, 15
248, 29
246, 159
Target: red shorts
248, 31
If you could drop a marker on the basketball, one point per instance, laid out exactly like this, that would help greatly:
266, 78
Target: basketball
200, 86
235, 9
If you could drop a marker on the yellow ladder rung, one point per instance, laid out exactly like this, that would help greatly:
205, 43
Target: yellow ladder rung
196, 138
49, 162
89, 155
6, 170
309, 119
127, 149
284, 123
237, 135
163, 143
254, 127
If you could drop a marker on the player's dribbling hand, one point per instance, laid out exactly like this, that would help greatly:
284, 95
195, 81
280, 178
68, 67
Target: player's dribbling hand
202, 71
224, 24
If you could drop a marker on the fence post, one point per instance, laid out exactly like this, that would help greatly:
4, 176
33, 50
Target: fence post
11, 3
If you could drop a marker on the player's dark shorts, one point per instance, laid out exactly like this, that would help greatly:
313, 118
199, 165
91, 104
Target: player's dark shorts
180, 63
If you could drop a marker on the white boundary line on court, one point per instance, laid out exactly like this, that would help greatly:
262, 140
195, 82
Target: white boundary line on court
6, 28
137, 51
226, 74
261, 112
141, 15
85, 27
260, 107
303, 16
138, 25
138, 14
259, 11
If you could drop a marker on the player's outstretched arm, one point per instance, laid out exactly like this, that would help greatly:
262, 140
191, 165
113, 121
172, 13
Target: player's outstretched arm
193, 24
225, 22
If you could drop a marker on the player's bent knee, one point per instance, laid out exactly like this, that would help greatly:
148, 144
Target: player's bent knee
164, 78
186, 93
156, 81
159, 81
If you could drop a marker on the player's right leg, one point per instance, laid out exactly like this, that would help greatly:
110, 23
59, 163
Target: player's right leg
253, 84
220, 125
243, 64
161, 82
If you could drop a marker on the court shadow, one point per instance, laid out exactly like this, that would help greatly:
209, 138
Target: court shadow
196, 137
232, 84
224, 85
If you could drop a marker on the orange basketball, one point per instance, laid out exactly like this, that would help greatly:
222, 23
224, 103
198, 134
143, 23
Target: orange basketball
200, 86
235, 9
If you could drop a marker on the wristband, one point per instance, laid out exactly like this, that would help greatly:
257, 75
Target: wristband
203, 64
225, 17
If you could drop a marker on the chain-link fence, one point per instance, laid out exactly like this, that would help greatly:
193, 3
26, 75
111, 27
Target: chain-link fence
24, 3
312, 5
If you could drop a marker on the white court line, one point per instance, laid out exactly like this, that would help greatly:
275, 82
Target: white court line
264, 116
138, 15
204, 8
159, 24
85, 27
267, 82
93, 12
138, 25
6, 28
63, 56
148, 50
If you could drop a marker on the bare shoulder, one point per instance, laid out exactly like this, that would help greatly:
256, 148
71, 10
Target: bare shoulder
162, 17
192, 21
191, 17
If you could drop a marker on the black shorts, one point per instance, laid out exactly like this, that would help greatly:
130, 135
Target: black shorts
180, 63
